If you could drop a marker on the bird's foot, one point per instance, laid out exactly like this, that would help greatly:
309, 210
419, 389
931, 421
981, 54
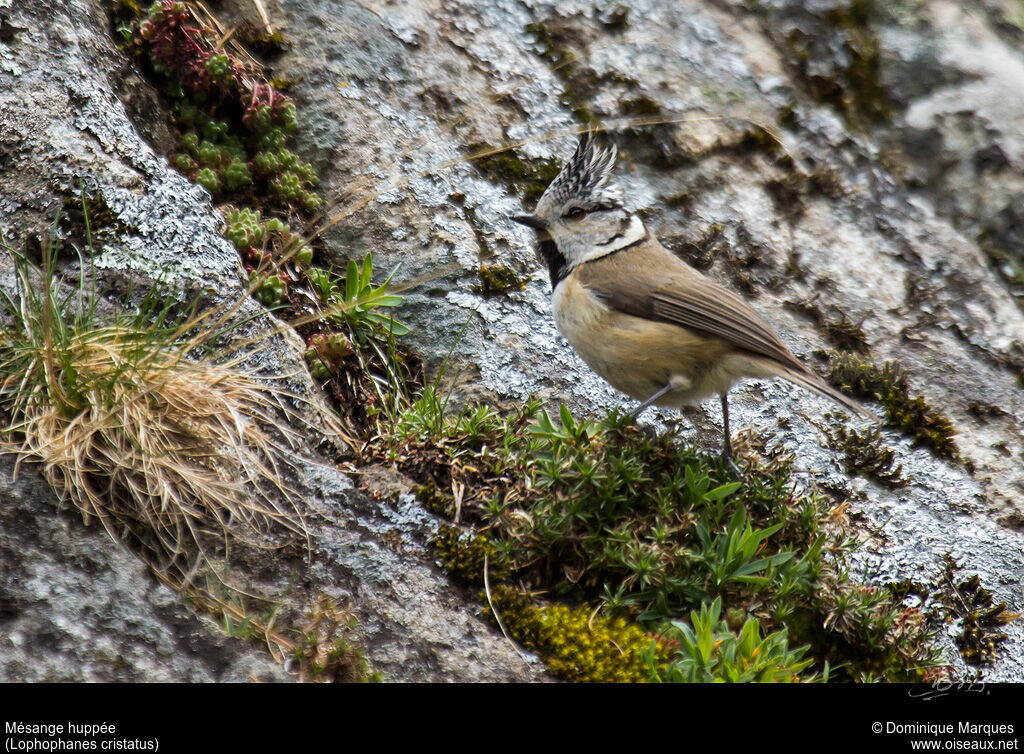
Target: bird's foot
727, 459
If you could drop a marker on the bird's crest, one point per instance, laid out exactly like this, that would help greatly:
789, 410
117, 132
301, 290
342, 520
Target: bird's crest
587, 175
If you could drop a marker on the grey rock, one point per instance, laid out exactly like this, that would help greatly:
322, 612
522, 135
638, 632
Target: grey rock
74, 606
77, 606
392, 96
854, 238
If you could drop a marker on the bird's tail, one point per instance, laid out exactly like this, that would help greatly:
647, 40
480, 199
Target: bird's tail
816, 384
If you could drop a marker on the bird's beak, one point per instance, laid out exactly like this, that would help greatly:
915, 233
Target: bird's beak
532, 221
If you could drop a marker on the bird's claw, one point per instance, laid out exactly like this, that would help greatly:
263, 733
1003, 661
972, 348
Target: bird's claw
731, 465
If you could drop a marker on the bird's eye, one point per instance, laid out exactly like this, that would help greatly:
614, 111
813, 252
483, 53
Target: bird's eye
575, 213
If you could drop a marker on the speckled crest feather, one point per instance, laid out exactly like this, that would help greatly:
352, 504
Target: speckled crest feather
587, 175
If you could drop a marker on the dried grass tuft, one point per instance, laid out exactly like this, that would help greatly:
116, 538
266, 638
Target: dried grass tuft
172, 456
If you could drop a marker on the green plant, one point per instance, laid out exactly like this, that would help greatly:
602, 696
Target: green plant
234, 125
320, 645
354, 301
865, 453
709, 652
601, 514
733, 555
890, 385
269, 290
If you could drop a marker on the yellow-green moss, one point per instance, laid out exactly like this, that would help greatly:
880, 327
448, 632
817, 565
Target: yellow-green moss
497, 279
576, 644
464, 554
434, 500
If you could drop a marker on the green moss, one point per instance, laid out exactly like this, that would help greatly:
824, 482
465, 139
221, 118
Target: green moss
866, 454
266, 43
434, 500
498, 279
80, 207
578, 644
527, 177
983, 622
862, 83
965, 601
465, 554
889, 384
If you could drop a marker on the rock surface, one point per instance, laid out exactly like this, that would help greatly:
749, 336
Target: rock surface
896, 189
896, 140
75, 605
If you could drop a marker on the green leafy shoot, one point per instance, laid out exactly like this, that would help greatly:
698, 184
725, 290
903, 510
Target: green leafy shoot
356, 302
732, 555
709, 652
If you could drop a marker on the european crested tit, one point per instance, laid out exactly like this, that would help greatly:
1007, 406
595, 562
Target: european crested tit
647, 322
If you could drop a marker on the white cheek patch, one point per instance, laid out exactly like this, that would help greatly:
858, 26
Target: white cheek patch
635, 232
632, 234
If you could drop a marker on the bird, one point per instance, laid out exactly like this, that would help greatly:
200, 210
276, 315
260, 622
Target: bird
648, 323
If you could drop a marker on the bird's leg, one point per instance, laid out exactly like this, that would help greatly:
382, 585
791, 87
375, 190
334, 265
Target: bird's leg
650, 400
727, 444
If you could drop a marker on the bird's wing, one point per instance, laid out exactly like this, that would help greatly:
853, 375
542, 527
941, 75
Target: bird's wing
673, 292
